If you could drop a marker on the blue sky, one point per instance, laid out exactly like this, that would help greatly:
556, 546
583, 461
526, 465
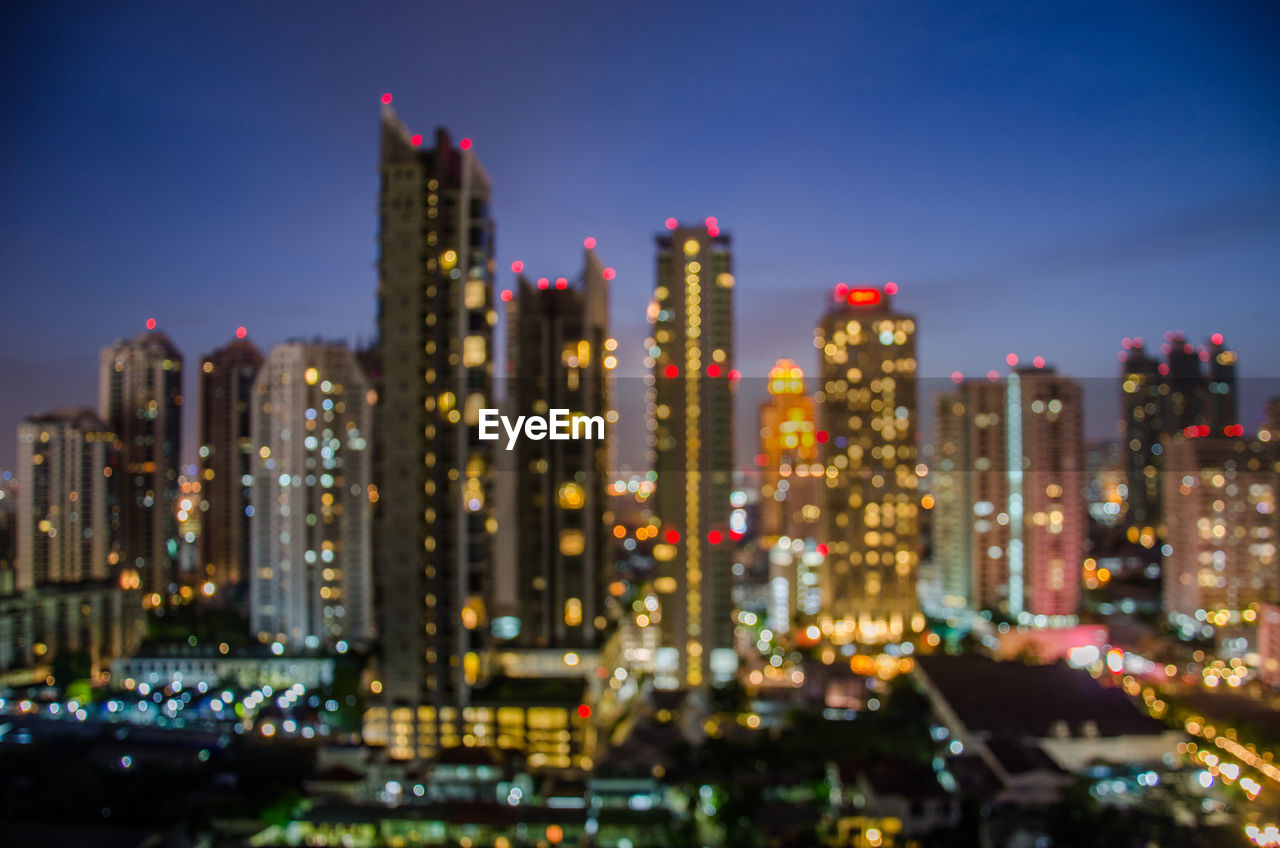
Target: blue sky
1037, 178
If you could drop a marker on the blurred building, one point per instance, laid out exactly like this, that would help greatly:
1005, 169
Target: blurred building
71, 592
436, 517
68, 517
691, 434
226, 469
1220, 510
559, 356
311, 582
1010, 522
791, 489
1193, 387
140, 399
867, 420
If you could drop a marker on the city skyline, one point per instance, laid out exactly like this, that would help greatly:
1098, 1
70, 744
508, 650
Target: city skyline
1140, 210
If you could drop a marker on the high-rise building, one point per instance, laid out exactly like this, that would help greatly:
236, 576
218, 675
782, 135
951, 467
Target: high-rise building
226, 463
310, 530
140, 399
1010, 523
435, 513
66, 506
559, 356
867, 421
1220, 497
1193, 387
791, 491
791, 472
691, 434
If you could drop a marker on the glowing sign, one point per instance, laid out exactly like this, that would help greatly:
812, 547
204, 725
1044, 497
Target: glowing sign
863, 297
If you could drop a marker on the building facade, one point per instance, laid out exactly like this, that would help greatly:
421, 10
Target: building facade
226, 464
140, 399
867, 420
559, 356
1010, 512
436, 517
691, 434
310, 529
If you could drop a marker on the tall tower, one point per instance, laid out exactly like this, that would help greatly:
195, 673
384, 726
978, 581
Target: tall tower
226, 468
791, 490
1143, 407
67, 515
559, 356
867, 430
310, 528
691, 434
1010, 503
435, 512
140, 399
1220, 497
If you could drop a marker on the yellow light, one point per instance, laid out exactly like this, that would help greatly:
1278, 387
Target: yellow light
312, 376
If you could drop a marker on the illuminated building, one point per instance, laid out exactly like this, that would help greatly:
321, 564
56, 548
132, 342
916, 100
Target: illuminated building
1220, 511
435, 515
140, 399
691, 435
71, 592
1192, 387
310, 581
66, 505
791, 488
559, 356
867, 436
226, 451
1010, 506
1268, 643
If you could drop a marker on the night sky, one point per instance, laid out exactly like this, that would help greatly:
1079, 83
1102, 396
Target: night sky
1037, 178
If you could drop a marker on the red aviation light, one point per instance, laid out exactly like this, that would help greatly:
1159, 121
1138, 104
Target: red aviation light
864, 297
1012, 359
890, 288
151, 323
543, 282
609, 273
507, 295
517, 267
1038, 362
386, 98
672, 223
589, 243
416, 140
957, 377
465, 144
562, 283
1216, 338
713, 370
842, 291
241, 332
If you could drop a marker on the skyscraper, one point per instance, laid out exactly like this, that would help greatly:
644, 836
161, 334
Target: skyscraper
140, 399
226, 467
1193, 387
691, 434
1220, 497
310, 528
435, 511
559, 356
791, 491
867, 434
1010, 495
66, 506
